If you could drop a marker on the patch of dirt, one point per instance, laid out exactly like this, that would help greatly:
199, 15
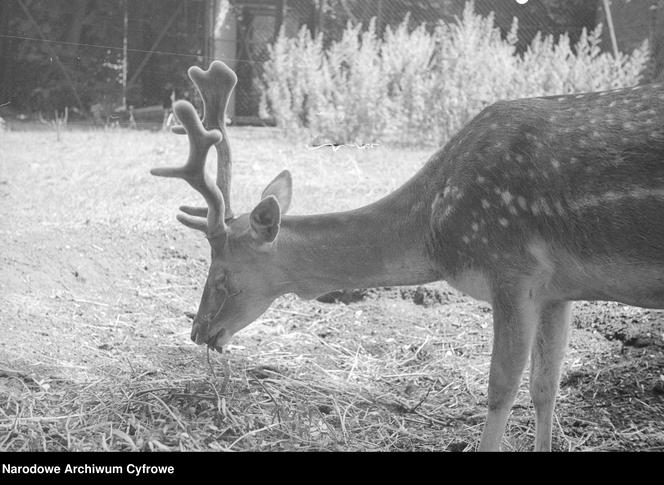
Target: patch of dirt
345, 296
433, 294
427, 295
631, 326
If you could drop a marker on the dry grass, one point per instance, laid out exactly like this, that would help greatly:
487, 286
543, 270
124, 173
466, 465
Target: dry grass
98, 284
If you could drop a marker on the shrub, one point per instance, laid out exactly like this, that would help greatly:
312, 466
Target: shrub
416, 86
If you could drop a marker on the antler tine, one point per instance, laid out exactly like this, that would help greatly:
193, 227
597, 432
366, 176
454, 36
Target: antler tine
215, 86
200, 141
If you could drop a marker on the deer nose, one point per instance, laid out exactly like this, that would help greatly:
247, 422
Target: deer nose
199, 332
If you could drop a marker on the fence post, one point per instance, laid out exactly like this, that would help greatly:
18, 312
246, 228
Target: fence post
612, 30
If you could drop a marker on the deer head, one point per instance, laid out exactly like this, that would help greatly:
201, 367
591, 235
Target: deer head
243, 280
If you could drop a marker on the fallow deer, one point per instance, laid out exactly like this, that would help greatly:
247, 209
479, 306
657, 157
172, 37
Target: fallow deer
534, 204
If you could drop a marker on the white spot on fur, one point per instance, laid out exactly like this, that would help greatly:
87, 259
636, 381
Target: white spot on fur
507, 197
555, 163
534, 209
503, 222
522, 202
559, 208
485, 204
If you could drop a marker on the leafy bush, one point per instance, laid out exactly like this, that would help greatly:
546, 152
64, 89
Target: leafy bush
415, 86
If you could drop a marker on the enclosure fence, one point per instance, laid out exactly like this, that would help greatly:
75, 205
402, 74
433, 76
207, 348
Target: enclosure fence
83, 54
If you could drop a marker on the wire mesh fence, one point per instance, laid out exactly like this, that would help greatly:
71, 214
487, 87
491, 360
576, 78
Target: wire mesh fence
58, 53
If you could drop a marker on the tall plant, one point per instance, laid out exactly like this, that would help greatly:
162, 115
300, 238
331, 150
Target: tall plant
417, 86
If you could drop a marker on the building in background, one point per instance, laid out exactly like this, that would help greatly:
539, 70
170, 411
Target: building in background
241, 34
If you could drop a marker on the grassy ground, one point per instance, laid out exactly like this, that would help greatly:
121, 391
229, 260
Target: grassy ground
98, 283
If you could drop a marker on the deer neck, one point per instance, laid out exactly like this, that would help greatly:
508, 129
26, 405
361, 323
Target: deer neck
382, 244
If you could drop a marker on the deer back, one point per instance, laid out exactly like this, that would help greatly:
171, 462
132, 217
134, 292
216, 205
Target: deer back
585, 172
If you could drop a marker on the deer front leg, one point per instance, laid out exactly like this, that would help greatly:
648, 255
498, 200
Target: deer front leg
545, 364
515, 318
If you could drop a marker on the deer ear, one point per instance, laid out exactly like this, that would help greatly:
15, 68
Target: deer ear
265, 219
282, 189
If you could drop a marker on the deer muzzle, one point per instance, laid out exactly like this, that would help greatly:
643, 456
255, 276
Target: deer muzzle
199, 332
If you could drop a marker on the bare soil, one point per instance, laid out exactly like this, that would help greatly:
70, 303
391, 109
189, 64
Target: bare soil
98, 284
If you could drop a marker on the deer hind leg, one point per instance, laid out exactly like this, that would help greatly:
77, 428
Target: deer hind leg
545, 364
515, 318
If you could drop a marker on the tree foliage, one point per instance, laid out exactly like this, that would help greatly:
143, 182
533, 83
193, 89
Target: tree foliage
84, 38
